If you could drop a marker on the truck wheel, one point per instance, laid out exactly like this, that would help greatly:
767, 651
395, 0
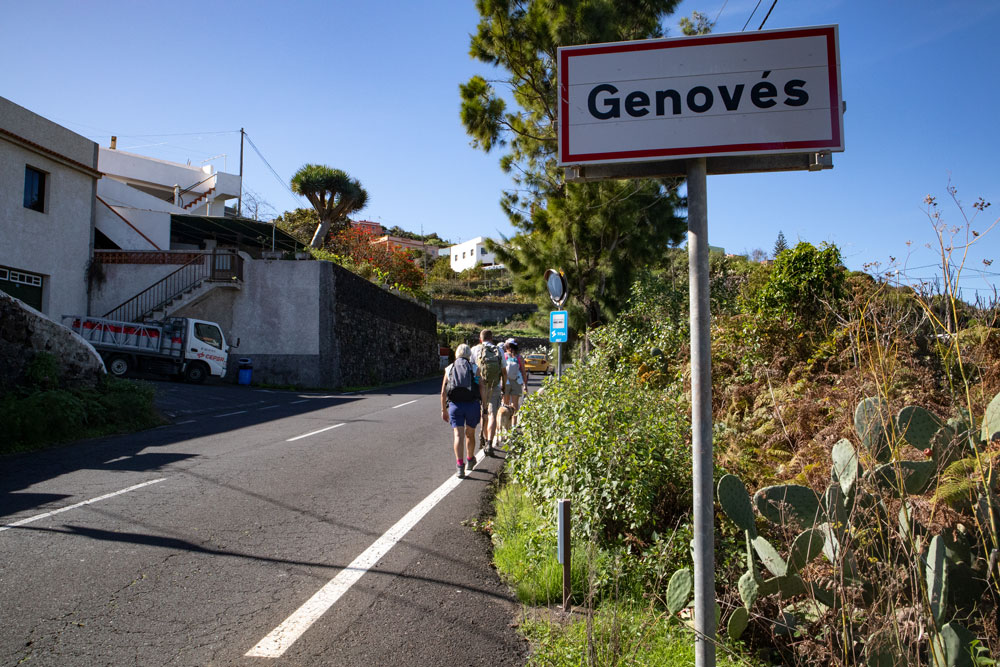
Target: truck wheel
119, 366
196, 373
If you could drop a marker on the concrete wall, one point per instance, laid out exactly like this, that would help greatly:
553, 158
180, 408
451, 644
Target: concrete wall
314, 324
124, 281
276, 316
478, 312
55, 243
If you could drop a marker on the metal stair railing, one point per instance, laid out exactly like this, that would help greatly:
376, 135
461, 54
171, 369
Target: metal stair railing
224, 266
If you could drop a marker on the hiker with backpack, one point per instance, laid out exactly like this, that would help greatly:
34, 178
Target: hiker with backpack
460, 407
516, 377
491, 375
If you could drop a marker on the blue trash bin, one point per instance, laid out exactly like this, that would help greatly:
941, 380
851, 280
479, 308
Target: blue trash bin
245, 371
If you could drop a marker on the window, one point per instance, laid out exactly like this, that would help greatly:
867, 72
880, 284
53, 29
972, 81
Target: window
34, 189
482, 251
206, 333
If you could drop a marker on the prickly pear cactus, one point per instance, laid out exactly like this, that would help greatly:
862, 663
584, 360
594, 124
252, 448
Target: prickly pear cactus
937, 579
871, 421
780, 503
735, 502
845, 465
917, 426
953, 646
738, 622
772, 560
991, 421
917, 475
679, 590
749, 588
807, 545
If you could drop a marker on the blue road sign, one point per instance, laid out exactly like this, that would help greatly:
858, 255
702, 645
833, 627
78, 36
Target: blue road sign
558, 326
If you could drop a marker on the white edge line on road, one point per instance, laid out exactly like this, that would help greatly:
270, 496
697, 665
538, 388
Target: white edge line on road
407, 403
230, 414
72, 507
190, 421
282, 637
268, 407
306, 435
302, 401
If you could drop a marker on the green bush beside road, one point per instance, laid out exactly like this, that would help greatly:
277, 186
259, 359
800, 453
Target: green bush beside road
42, 413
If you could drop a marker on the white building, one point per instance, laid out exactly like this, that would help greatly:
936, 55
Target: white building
466, 255
48, 182
139, 194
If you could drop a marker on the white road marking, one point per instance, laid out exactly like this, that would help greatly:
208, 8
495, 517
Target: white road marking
299, 437
302, 401
282, 637
230, 414
407, 403
190, 421
73, 507
268, 407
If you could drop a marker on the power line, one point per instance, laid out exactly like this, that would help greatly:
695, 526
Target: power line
273, 172
751, 16
720, 13
768, 15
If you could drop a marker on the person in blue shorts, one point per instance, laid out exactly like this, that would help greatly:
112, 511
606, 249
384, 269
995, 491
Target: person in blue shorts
460, 407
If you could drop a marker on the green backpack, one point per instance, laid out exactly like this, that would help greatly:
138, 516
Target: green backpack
488, 361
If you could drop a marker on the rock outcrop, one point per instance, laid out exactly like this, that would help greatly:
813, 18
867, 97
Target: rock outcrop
24, 332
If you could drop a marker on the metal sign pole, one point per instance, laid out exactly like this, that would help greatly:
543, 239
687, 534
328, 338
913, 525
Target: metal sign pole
701, 414
558, 360
564, 549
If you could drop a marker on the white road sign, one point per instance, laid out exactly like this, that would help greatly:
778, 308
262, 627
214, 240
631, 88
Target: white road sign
774, 91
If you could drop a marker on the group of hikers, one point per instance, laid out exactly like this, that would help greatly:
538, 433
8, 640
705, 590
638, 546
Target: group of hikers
482, 380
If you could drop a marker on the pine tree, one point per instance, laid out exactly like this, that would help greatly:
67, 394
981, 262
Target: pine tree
599, 234
780, 244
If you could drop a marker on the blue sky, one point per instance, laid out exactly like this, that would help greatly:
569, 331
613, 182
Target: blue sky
372, 88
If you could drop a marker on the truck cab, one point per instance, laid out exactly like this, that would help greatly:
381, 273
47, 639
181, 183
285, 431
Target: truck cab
205, 352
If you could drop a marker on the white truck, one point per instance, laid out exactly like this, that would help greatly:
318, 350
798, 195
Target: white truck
178, 346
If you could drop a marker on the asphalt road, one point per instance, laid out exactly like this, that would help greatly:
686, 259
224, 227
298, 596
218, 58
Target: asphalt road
258, 528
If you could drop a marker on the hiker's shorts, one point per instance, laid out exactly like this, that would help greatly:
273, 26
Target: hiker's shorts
466, 413
493, 399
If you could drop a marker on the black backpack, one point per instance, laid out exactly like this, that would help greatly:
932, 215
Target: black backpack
461, 386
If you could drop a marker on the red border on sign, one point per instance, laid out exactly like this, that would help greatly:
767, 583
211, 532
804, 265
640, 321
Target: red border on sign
769, 147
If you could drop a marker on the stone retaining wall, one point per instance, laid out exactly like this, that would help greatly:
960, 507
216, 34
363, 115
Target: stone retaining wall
454, 311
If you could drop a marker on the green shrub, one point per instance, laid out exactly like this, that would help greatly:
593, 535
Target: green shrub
33, 418
803, 283
617, 450
42, 371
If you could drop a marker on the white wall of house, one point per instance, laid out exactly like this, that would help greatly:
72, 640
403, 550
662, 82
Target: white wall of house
124, 281
466, 255
54, 243
161, 176
133, 219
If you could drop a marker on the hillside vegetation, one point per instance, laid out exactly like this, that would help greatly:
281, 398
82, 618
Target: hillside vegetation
860, 414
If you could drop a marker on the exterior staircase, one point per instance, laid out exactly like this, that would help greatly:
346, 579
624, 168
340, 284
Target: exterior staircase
186, 286
202, 197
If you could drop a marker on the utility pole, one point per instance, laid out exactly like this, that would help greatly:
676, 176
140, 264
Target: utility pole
239, 204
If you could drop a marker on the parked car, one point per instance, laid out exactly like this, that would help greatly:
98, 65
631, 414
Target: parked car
537, 363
